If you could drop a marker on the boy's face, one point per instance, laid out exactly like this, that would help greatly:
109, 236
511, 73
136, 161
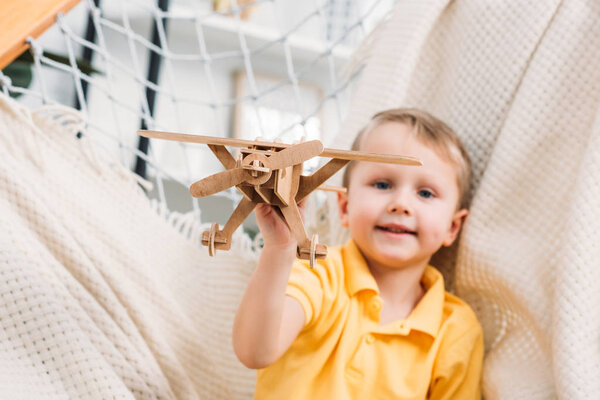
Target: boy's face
400, 215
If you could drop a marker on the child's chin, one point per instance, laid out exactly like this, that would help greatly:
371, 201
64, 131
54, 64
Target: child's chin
393, 257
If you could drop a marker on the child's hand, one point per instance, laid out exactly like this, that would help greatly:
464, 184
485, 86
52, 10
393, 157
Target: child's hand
281, 317
273, 227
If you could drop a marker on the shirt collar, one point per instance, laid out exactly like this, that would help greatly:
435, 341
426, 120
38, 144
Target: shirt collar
358, 276
426, 316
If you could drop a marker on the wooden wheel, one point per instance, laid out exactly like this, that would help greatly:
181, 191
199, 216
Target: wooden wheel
211, 239
313, 250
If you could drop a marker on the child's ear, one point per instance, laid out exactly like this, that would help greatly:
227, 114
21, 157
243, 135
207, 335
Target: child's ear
343, 208
457, 221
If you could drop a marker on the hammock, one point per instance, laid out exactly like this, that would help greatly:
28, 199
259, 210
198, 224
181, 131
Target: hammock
106, 294
102, 293
520, 83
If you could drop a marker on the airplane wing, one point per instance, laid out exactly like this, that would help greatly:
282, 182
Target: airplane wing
184, 137
353, 155
329, 153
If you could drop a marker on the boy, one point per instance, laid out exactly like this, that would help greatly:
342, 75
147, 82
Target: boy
372, 320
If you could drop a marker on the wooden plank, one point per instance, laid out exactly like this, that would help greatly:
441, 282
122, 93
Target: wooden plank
353, 155
21, 19
283, 184
329, 188
332, 153
223, 155
312, 182
184, 137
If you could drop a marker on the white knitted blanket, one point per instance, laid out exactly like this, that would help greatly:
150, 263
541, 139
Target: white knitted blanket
520, 82
101, 297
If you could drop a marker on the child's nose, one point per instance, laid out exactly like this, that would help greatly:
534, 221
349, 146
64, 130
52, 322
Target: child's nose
400, 209
400, 205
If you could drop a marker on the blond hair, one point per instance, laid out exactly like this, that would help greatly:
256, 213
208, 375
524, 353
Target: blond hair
431, 132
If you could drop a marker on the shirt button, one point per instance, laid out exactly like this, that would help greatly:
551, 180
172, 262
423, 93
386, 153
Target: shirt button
375, 306
369, 339
403, 327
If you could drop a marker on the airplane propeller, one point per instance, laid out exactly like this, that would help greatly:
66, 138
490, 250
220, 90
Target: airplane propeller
293, 155
218, 182
296, 154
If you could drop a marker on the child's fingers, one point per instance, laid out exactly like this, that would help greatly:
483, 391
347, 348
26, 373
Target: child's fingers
302, 203
262, 209
278, 212
302, 207
265, 211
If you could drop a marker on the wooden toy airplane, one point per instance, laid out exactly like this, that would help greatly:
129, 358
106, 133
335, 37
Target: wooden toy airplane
270, 172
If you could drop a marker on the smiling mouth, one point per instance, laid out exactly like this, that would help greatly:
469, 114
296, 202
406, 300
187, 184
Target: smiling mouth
396, 230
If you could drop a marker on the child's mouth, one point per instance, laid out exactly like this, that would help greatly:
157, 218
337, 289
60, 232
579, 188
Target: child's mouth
396, 229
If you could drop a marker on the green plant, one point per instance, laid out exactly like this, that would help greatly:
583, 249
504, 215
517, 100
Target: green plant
20, 71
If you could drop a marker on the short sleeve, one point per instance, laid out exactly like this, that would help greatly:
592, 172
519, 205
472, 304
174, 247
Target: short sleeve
457, 374
306, 286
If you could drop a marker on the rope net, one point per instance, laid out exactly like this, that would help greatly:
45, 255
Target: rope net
527, 109
132, 309
244, 69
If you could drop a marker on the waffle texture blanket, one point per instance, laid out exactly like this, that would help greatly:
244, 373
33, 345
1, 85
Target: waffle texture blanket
520, 83
102, 294
105, 295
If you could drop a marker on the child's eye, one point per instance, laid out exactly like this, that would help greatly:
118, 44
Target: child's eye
381, 185
426, 193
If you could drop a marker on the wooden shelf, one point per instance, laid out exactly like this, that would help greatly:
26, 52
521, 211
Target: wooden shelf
21, 19
220, 28
221, 33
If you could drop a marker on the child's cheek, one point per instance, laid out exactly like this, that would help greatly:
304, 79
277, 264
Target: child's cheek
433, 229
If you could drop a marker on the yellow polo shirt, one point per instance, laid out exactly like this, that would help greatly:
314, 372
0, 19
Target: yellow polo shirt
344, 353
